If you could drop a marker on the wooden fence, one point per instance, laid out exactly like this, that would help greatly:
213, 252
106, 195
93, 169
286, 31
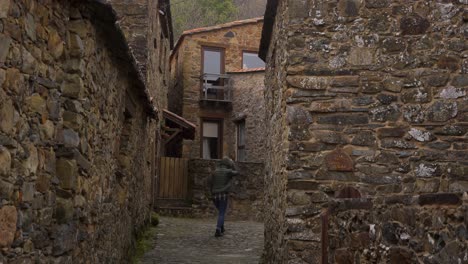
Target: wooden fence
173, 181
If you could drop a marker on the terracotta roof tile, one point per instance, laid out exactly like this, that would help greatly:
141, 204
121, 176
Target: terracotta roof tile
248, 70
226, 25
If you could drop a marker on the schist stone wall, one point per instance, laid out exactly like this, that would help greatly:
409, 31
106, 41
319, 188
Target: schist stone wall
367, 119
246, 202
248, 105
75, 135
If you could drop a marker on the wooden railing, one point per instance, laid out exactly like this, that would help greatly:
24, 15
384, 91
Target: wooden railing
216, 87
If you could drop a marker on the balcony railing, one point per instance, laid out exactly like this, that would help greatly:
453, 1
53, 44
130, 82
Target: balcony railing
216, 87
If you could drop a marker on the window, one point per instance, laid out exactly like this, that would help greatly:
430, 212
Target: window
213, 66
241, 141
211, 139
251, 60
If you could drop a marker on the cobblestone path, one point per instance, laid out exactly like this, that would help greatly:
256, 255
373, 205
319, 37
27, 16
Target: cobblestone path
182, 240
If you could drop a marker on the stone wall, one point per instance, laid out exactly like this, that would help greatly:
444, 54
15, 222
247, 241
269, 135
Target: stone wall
248, 105
246, 202
186, 73
75, 135
367, 110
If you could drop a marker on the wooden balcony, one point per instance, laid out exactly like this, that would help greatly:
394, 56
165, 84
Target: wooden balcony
216, 88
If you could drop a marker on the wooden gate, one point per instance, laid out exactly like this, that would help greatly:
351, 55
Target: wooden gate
173, 181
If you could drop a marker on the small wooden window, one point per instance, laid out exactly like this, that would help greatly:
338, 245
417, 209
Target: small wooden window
211, 143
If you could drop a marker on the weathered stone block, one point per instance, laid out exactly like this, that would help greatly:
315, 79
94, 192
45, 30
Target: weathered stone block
356, 119
330, 137
31, 163
361, 56
4, 8
298, 115
414, 113
401, 255
436, 79
349, 8
5, 42
5, 161
30, 27
452, 93
439, 199
339, 160
420, 95
7, 114
28, 191
397, 143
420, 135
55, 44
8, 221
460, 80
338, 105
386, 99
71, 138
42, 183
393, 85
308, 82
345, 81
427, 186
73, 88
64, 240
72, 120
449, 62
414, 25
36, 103
76, 46
363, 100
364, 138
67, 171
393, 45
29, 64
385, 113
377, 3
6, 189
442, 111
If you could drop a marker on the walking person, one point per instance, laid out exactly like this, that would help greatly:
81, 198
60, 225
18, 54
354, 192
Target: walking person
221, 181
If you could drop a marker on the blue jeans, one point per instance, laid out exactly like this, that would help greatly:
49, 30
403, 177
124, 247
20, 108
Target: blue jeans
221, 205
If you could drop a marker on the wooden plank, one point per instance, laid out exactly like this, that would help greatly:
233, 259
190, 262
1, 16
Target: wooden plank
172, 176
186, 179
167, 177
162, 168
176, 178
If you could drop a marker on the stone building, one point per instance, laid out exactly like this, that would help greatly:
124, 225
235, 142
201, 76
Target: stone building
79, 127
367, 131
217, 84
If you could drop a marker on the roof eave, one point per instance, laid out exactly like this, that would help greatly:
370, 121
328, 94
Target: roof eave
267, 31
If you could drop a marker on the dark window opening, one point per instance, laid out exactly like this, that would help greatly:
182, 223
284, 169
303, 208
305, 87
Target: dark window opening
241, 155
213, 66
211, 140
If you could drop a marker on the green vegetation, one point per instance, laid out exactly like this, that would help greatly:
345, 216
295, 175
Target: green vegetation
145, 239
201, 13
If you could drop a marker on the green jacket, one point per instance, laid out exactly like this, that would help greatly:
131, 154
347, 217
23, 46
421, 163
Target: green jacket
221, 180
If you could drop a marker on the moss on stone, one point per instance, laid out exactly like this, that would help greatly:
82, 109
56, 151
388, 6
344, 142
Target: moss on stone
145, 240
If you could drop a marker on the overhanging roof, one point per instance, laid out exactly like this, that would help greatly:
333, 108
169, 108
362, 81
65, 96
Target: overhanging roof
188, 128
267, 31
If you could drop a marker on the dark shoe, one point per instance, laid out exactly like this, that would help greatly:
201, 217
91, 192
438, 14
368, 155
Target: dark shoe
222, 230
218, 233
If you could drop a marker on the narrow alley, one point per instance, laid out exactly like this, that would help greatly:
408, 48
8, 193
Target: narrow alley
183, 240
